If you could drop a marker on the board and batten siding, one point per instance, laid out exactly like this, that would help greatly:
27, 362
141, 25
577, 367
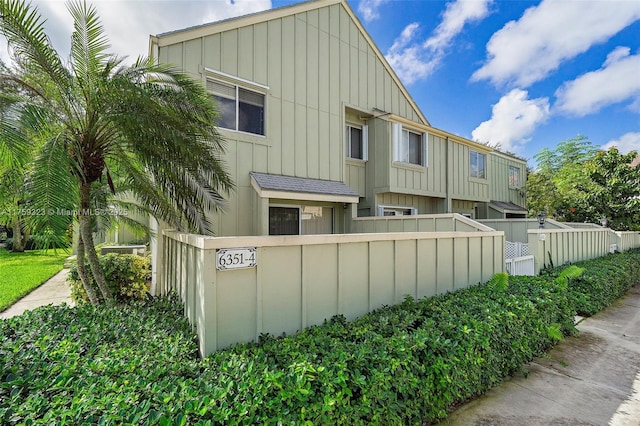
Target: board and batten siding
462, 186
499, 188
315, 64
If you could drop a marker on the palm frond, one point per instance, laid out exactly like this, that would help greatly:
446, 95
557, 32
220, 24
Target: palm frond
23, 27
88, 45
52, 191
15, 145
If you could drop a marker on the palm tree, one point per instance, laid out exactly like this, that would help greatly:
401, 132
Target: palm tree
94, 117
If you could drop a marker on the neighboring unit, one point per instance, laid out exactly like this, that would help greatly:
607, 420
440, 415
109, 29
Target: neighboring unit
320, 129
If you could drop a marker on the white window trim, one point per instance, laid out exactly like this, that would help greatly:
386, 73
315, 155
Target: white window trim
365, 140
518, 186
240, 83
485, 165
397, 131
383, 207
252, 85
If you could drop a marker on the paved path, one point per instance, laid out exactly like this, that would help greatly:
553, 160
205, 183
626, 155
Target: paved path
54, 291
590, 379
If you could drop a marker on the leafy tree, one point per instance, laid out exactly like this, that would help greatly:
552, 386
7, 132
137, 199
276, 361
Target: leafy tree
549, 186
95, 121
576, 182
614, 189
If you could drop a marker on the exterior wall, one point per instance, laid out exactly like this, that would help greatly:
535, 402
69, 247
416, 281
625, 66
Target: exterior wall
300, 281
461, 185
498, 172
319, 70
517, 230
463, 207
417, 223
313, 65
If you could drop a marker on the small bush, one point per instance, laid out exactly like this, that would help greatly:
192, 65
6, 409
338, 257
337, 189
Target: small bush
128, 276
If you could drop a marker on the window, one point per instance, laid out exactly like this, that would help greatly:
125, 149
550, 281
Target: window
304, 220
514, 177
478, 165
409, 146
396, 211
356, 142
240, 109
284, 220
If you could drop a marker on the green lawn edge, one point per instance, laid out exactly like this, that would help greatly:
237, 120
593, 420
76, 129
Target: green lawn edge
24, 272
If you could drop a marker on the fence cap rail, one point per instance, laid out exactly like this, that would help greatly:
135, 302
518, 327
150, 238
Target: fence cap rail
209, 243
565, 231
455, 216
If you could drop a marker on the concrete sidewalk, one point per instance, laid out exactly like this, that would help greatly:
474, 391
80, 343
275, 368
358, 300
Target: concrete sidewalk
53, 292
590, 379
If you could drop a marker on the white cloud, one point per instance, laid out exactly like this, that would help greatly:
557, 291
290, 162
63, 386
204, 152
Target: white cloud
369, 9
413, 60
625, 143
513, 119
455, 16
128, 23
617, 81
526, 51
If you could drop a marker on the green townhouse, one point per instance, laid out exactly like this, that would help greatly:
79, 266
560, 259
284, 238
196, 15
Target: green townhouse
320, 130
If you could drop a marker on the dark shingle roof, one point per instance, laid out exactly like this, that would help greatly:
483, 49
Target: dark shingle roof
295, 184
503, 205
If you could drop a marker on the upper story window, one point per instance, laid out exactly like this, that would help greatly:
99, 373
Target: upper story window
514, 177
356, 142
409, 146
478, 165
240, 109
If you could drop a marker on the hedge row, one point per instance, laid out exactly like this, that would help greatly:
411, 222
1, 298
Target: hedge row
406, 364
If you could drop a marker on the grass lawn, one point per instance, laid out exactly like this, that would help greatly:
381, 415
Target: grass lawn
22, 272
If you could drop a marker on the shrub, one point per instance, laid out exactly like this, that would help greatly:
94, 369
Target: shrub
406, 364
128, 276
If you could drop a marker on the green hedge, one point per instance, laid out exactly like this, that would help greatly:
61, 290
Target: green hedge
406, 364
128, 277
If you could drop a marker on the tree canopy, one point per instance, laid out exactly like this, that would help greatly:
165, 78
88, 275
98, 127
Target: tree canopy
577, 182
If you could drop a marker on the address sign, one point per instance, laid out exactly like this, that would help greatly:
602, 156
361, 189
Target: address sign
236, 258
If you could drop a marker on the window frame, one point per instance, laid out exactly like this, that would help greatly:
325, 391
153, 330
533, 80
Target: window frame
395, 209
518, 174
471, 165
402, 154
238, 87
300, 208
364, 132
287, 206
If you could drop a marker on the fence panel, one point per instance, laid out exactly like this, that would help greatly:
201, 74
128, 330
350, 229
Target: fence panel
300, 281
449, 222
561, 246
524, 265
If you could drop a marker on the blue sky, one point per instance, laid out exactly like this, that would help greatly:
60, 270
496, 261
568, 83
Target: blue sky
524, 74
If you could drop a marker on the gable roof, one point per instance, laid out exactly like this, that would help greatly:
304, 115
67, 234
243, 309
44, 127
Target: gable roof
178, 36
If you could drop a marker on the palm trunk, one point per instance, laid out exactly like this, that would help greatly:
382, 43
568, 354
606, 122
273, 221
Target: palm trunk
82, 273
18, 241
85, 234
